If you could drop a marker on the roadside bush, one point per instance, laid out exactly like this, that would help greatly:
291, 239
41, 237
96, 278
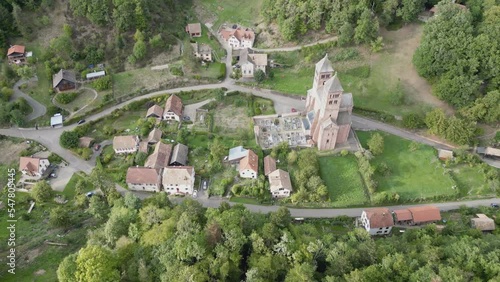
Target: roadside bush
222, 72
66, 97
102, 83
397, 95
176, 70
346, 54
413, 121
69, 139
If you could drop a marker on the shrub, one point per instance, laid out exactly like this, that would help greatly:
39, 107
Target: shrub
102, 83
69, 139
376, 144
222, 72
176, 70
413, 121
66, 97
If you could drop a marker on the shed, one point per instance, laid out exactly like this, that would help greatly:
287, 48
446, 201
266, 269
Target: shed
64, 80
179, 155
483, 223
56, 121
95, 74
445, 154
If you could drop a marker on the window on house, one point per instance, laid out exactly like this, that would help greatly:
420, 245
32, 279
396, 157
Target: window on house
327, 141
335, 102
329, 102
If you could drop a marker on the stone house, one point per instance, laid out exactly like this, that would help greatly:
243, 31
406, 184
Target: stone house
377, 221
178, 180
249, 165
251, 62
160, 156
33, 167
64, 80
202, 51
238, 37
173, 108
125, 144
194, 29
280, 183
16, 54
143, 179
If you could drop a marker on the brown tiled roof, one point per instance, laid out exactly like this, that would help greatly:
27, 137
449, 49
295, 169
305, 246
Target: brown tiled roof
258, 59
63, 74
29, 164
425, 214
251, 162
154, 135
174, 104
156, 110
178, 175
16, 49
85, 141
279, 179
142, 175
143, 147
194, 28
379, 217
124, 142
160, 156
239, 33
402, 215
269, 164
483, 223
180, 154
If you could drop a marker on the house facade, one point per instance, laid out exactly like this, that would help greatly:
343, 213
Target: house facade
249, 165
125, 144
238, 37
143, 179
178, 180
202, 52
328, 108
250, 62
34, 167
280, 183
173, 108
377, 221
16, 54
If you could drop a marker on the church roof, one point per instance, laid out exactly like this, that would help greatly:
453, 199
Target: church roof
333, 84
324, 65
346, 100
343, 118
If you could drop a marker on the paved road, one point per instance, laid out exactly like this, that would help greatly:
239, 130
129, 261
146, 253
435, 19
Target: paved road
38, 109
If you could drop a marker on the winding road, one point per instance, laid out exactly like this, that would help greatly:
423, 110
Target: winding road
38, 109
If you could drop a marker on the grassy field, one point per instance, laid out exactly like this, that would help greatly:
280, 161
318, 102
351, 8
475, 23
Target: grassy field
343, 180
231, 11
128, 82
470, 181
413, 175
210, 71
85, 96
69, 190
291, 80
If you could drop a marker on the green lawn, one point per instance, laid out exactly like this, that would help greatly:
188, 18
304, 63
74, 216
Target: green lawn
210, 71
232, 11
291, 80
218, 51
84, 97
471, 181
343, 180
69, 190
413, 175
128, 82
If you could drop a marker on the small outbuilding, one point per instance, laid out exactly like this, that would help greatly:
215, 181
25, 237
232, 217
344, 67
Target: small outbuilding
179, 155
445, 154
194, 29
483, 223
56, 121
95, 75
85, 142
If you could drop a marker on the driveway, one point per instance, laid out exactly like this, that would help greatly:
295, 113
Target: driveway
190, 110
38, 109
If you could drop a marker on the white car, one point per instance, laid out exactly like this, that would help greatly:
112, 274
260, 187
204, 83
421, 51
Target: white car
195, 193
205, 186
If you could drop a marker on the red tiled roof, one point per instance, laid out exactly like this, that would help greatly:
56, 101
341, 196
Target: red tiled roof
379, 217
160, 156
239, 33
29, 164
125, 142
156, 110
193, 28
16, 49
174, 104
142, 175
425, 214
402, 215
251, 162
269, 164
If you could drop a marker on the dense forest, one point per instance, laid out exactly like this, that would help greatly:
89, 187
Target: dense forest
158, 241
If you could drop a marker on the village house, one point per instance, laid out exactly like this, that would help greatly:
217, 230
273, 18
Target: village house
179, 155
64, 80
143, 147
280, 183
249, 165
34, 167
16, 54
328, 108
238, 37
202, 51
250, 62
85, 142
155, 111
269, 165
402, 217
194, 29
488, 152
483, 222
154, 136
377, 221
125, 144
160, 157
173, 108
424, 215
236, 154
178, 180
143, 179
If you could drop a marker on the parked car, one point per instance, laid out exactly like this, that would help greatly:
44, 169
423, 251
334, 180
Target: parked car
195, 193
97, 147
205, 185
493, 205
53, 175
81, 121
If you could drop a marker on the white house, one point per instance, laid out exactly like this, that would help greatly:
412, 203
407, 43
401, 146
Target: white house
250, 63
143, 179
173, 108
280, 184
249, 165
125, 144
178, 180
34, 167
238, 38
377, 221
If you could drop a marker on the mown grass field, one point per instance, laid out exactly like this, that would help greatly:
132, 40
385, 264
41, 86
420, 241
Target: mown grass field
128, 82
413, 175
232, 11
471, 181
344, 183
